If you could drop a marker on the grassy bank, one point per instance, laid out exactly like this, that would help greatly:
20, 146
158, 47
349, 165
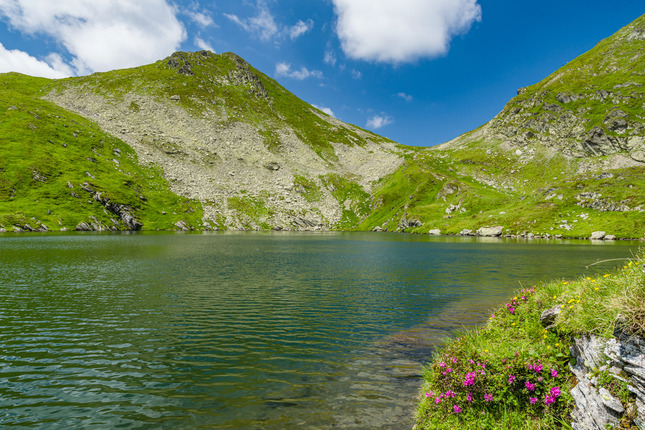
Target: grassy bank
513, 373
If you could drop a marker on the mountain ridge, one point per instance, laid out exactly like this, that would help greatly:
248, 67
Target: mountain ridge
241, 152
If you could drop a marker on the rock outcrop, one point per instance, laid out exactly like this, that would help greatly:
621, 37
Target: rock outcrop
600, 366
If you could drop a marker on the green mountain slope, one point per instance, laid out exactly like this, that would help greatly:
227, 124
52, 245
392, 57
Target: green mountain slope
59, 171
564, 157
253, 154
206, 141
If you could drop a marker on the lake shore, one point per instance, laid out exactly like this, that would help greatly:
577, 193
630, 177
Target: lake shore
527, 369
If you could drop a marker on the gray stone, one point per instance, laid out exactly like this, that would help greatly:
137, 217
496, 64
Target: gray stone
181, 225
435, 232
597, 235
490, 231
590, 412
83, 226
548, 316
610, 401
466, 232
610, 237
377, 228
175, 98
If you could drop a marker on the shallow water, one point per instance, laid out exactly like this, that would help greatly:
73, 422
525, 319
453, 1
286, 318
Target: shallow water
245, 330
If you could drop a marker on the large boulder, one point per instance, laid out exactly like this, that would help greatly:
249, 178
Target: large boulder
490, 231
597, 235
434, 232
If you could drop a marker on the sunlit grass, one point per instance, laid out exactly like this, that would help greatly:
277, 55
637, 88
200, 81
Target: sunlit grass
513, 373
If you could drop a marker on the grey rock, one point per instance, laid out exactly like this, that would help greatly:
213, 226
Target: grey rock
597, 235
377, 228
273, 166
175, 98
490, 231
466, 232
181, 225
590, 412
83, 226
610, 237
3, 230
302, 222
548, 316
435, 232
610, 401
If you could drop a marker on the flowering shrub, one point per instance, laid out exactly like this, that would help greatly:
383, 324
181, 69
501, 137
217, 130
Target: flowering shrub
473, 384
469, 382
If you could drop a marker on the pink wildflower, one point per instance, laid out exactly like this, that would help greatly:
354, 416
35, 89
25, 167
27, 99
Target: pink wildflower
488, 397
548, 399
529, 386
469, 397
456, 408
554, 373
470, 379
555, 391
511, 379
533, 399
437, 400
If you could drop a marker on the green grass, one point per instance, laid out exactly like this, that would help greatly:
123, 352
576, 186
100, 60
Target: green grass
50, 157
504, 352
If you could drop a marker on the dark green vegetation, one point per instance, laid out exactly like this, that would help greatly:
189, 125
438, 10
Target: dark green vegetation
58, 170
565, 157
513, 373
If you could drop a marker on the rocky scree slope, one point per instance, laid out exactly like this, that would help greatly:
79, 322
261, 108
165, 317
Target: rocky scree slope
565, 157
254, 155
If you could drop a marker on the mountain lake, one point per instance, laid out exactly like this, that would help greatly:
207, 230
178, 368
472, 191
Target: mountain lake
270, 330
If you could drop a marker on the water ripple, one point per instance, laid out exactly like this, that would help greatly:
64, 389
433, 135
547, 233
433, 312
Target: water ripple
264, 331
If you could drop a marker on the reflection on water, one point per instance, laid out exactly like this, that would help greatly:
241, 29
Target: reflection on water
263, 330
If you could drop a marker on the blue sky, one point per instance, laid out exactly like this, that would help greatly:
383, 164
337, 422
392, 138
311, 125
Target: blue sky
420, 72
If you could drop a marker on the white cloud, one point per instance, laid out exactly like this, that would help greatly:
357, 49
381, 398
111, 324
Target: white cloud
356, 74
402, 31
327, 110
379, 121
300, 28
200, 18
284, 70
202, 44
404, 96
263, 25
101, 35
21, 62
330, 57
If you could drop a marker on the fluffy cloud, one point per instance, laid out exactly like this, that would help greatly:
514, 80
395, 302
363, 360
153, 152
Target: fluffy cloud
264, 27
285, 70
21, 62
202, 44
101, 35
200, 18
404, 96
300, 28
401, 31
378, 121
327, 110
330, 57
